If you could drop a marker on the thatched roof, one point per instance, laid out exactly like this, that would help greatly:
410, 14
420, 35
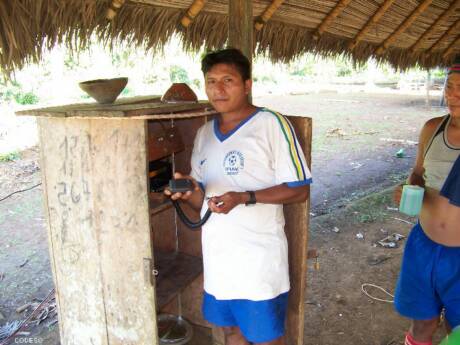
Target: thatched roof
402, 32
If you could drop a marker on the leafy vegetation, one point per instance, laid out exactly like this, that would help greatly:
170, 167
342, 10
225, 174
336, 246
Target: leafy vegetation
10, 156
14, 91
178, 74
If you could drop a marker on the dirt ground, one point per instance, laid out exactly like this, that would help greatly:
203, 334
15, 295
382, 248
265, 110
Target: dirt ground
356, 137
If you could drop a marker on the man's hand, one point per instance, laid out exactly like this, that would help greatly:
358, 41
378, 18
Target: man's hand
183, 196
226, 202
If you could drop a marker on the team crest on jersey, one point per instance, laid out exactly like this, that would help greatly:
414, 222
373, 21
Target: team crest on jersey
233, 162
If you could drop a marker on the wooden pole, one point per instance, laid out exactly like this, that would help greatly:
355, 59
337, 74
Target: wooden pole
192, 12
326, 23
374, 19
114, 8
453, 29
451, 47
268, 13
447, 13
240, 27
427, 88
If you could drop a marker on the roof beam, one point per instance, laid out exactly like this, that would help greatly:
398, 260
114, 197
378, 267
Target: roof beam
405, 24
268, 13
451, 47
453, 29
342, 4
374, 19
452, 8
113, 9
192, 12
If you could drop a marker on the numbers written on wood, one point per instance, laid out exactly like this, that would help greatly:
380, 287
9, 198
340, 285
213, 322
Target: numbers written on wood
71, 187
117, 153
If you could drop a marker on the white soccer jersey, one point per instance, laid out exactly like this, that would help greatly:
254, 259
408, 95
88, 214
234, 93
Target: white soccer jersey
245, 251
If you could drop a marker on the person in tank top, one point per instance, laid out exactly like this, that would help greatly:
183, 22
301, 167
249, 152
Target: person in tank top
429, 280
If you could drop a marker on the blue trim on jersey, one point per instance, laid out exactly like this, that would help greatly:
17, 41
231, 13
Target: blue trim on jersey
222, 136
299, 183
201, 185
296, 148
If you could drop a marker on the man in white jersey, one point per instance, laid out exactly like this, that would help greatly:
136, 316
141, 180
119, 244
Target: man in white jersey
246, 164
430, 274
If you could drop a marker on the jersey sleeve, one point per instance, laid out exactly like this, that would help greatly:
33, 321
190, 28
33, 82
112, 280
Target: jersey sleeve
290, 163
196, 160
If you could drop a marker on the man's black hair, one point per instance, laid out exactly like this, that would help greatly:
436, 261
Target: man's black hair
229, 56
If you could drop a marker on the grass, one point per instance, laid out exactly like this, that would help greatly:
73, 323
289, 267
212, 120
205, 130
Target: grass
10, 156
373, 207
397, 178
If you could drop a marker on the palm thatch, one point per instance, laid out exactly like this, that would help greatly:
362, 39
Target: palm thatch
29, 27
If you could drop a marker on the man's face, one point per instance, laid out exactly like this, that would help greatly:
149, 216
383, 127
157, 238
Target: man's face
453, 94
226, 89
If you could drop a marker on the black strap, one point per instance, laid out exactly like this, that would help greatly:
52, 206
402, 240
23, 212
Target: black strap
252, 198
188, 222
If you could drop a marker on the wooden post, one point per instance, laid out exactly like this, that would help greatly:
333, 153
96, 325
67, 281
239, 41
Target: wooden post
427, 88
297, 218
240, 26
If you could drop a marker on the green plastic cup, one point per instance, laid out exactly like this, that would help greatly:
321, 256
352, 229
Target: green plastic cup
411, 200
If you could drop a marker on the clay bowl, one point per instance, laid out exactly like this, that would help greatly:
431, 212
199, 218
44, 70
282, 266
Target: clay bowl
104, 91
178, 93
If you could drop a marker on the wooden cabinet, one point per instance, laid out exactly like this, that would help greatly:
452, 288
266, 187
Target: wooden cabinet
107, 232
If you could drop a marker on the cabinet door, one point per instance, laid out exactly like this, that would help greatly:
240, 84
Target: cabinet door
95, 185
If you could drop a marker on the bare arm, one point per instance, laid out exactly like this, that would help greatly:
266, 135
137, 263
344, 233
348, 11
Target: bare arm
416, 175
280, 194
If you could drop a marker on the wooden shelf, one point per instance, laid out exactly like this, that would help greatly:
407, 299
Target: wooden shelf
175, 272
157, 206
144, 107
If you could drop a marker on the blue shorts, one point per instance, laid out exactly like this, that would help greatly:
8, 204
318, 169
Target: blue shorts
429, 279
259, 321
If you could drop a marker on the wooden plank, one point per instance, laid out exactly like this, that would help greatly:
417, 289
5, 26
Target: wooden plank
164, 108
176, 271
296, 228
95, 106
96, 192
42, 133
73, 248
119, 158
158, 207
164, 230
120, 111
240, 26
192, 300
189, 241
